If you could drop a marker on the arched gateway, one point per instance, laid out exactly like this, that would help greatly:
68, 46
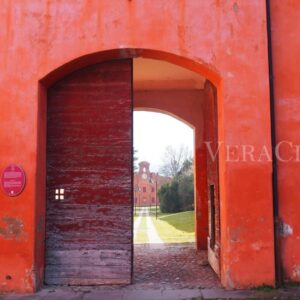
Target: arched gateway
89, 173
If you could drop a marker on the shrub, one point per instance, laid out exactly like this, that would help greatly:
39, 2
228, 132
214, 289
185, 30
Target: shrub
169, 198
178, 195
186, 192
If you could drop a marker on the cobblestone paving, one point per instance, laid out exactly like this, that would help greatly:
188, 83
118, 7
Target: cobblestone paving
161, 272
178, 266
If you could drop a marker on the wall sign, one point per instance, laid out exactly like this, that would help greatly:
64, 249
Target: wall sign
13, 180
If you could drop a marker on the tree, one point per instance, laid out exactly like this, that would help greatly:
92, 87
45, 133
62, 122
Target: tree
173, 160
186, 192
179, 194
187, 167
169, 199
135, 160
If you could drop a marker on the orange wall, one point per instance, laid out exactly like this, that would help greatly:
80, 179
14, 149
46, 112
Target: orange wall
286, 61
212, 177
185, 105
223, 40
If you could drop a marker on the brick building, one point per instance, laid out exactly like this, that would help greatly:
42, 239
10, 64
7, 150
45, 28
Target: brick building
146, 185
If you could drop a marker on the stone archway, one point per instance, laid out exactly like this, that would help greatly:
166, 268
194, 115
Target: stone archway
186, 63
197, 120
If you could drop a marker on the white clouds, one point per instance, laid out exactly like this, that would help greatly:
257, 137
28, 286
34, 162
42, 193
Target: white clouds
153, 132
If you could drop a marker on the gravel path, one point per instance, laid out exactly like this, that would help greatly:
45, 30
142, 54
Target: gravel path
153, 236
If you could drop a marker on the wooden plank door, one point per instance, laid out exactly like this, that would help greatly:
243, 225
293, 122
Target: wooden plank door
89, 176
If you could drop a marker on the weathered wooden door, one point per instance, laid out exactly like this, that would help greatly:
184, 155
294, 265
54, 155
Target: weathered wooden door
89, 176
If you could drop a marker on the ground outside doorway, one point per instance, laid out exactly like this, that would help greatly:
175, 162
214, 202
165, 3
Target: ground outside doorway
172, 266
164, 252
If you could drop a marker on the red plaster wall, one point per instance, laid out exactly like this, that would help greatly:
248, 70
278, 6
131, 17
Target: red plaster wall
286, 58
184, 105
212, 167
224, 41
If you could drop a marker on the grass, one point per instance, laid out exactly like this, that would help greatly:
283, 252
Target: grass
264, 288
176, 228
141, 235
172, 228
292, 284
183, 221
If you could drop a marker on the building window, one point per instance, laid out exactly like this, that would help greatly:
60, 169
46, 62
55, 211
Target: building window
153, 200
144, 189
152, 189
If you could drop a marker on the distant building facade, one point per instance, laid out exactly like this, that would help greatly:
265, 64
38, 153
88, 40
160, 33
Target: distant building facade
146, 185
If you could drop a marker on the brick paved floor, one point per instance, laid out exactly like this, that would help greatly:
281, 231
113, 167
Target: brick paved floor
173, 272
178, 266
167, 272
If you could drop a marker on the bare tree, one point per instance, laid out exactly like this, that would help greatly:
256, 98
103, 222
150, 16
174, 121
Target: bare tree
173, 160
135, 160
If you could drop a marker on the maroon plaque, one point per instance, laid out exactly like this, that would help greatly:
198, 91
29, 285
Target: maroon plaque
13, 180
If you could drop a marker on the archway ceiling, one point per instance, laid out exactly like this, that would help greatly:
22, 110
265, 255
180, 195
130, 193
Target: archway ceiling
151, 74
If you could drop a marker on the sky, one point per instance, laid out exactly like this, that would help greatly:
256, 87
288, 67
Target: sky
153, 132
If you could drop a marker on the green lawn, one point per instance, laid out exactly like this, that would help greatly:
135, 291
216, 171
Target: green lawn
141, 235
172, 228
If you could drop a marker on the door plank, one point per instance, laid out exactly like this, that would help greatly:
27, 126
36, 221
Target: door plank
89, 176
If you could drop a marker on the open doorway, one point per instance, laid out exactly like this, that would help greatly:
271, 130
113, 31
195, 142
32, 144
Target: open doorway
169, 115
164, 216
163, 180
